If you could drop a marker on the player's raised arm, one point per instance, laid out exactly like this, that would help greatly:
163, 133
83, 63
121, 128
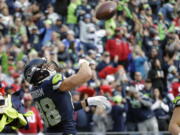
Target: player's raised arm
84, 74
174, 125
39, 70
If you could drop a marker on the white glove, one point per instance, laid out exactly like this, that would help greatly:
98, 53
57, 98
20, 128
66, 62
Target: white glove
99, 101
83, 61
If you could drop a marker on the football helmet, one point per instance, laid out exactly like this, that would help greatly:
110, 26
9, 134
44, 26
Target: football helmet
38, 70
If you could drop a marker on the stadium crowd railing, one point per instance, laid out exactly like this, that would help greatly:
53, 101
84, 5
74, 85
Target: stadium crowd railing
107, 133
125, 133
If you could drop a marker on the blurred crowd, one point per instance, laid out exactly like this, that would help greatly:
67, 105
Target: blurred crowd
135, 57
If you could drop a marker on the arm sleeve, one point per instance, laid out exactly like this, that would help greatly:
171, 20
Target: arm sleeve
146, 102
77, 106
165, 107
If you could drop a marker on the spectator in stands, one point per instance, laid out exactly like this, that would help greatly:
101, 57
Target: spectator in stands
51, 15
86, 27
172, 75
80, 116
3, 28
35, 121
55, 38
21, 27
118, 113
139, 61
147, 90
174, 89
71, 15
58, 24
138, 81
7, 18
105, 61
161, 109
71, 42
46, 32
83, 9
63, 54
118, 48
24, 86
99, 121
23, 4
167, 10
156, 74
154, 54
106, 66
34, 37
119, 90
139, 107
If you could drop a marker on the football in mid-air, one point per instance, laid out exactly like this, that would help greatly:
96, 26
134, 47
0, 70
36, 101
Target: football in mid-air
106, 10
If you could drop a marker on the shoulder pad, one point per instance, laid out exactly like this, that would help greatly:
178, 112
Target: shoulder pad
176, 101
57, 80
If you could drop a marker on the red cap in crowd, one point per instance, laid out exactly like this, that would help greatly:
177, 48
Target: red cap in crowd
87, 90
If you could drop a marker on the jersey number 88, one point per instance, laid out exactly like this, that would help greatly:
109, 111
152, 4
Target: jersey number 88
48, 111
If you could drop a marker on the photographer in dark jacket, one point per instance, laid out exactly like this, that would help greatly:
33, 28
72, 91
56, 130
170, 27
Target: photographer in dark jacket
139, 110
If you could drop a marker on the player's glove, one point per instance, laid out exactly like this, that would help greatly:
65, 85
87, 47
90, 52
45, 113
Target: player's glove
99, 101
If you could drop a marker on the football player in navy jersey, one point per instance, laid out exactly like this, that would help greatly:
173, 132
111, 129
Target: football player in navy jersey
51, 94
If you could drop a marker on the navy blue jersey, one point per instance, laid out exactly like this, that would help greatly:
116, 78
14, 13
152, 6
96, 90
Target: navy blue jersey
56, 107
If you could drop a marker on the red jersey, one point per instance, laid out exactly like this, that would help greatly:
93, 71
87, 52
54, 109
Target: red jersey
34, 121
175, 89
118, 47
